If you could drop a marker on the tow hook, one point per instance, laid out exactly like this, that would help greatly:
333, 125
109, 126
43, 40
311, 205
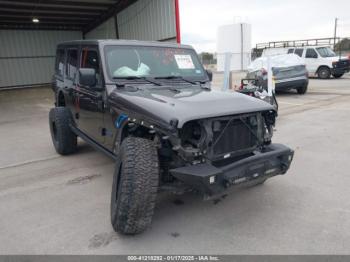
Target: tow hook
284, 167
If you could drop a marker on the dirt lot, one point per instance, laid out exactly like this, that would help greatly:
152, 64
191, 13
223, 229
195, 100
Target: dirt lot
60, 205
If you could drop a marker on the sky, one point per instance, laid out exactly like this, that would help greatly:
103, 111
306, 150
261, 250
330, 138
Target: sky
271, 20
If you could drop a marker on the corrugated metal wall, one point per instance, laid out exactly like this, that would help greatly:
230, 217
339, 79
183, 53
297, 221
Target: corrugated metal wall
27, 57
144, 20
148, 20
103, 31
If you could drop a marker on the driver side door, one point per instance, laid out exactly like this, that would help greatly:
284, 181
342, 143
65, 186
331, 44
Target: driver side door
91, 99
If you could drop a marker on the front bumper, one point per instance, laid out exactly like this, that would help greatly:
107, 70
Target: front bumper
340, 70
213, 181
341, 67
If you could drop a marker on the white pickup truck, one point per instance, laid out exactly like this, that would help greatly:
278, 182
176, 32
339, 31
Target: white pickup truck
320, 61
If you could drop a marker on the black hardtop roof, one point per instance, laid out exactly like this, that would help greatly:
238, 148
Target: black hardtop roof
105, 42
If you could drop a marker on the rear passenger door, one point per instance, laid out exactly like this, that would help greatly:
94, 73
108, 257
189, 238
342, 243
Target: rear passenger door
311, 60
58, 79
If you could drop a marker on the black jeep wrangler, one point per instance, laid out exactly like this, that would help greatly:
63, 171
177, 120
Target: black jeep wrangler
150, 107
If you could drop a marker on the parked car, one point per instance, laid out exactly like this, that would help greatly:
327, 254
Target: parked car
320, 61
149, 106
289, 72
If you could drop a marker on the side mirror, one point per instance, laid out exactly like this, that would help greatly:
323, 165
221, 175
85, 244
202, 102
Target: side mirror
87, 77
210, 75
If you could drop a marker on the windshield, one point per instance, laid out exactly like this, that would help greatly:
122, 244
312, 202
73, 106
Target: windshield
325, 52
153, 62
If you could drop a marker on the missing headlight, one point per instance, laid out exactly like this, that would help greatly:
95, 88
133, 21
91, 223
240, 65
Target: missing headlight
216, 126
193, 134
270, 118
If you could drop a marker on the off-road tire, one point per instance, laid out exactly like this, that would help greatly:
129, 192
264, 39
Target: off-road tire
302, 90
63, 138
135, 186
324, 72
337, 75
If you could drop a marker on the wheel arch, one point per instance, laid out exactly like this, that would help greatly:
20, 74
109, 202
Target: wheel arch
322, 66
137, 131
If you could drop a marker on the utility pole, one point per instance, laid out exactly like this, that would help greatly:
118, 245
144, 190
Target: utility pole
335, 31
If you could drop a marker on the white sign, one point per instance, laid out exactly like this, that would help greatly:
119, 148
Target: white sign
184, 61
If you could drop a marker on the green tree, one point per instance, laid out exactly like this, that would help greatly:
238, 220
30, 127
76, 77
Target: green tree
207, 56
343, 45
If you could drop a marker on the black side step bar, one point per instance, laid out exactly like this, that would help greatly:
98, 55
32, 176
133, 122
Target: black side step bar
92, 143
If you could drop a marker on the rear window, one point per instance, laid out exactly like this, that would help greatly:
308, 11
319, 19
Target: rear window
299, 52
59, 67
72, 62
291, 51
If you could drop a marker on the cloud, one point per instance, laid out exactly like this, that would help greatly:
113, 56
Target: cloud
271, 20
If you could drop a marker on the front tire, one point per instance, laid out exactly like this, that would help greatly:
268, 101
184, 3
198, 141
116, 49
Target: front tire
337, 75
135, 186
324, 73
63, 138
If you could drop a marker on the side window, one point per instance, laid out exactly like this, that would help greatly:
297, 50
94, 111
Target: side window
299, 51
291, 51
59, 66
311, 53
72, 62
89, 59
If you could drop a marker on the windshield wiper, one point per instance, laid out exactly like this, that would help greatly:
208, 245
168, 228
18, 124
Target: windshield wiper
136, 78
200, 83
176, 77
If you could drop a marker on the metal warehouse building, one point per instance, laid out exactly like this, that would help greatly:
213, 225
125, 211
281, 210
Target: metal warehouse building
31, 29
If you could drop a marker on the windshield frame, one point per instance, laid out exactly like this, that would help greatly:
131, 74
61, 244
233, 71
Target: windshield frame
325, 48
201, 78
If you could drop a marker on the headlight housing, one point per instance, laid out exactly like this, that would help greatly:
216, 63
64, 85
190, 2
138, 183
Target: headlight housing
270, 120
193, 133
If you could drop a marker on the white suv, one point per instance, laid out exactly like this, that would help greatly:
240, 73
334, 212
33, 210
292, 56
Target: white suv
320, 61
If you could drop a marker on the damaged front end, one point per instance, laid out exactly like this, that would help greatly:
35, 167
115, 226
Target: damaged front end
213, 154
